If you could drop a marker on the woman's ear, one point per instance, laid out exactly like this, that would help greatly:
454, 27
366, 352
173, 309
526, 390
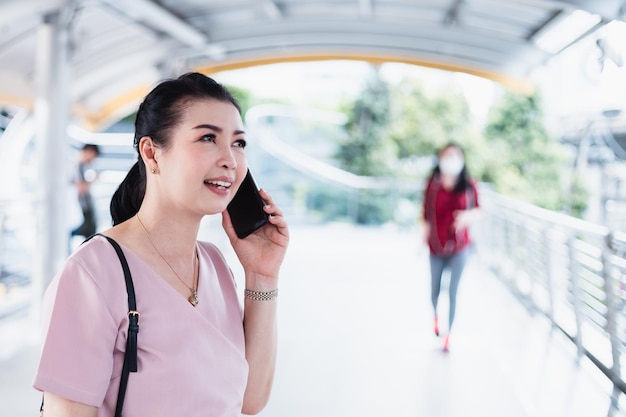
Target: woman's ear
148, 152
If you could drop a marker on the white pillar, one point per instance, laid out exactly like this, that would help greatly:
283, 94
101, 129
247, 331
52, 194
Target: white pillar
51, 119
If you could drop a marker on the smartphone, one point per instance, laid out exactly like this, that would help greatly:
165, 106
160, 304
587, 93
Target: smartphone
246, 208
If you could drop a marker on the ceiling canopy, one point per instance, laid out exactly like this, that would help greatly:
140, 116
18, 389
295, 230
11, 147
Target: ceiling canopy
118, 48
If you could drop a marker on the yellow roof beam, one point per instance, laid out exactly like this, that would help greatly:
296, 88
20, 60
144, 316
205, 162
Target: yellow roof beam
515, 84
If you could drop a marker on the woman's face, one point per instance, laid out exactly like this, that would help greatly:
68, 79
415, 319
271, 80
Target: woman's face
206, 162
451, 161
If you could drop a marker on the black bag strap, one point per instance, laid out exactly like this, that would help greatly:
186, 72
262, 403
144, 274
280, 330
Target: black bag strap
130, 356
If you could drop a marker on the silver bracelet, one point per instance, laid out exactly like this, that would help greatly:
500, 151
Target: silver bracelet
261, 295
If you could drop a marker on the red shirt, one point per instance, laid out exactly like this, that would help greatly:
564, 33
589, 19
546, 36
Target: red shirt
439, 208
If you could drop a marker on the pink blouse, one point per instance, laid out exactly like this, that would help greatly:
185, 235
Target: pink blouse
191, 360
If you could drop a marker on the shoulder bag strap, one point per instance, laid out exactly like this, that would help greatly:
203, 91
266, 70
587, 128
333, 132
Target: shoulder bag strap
130, 356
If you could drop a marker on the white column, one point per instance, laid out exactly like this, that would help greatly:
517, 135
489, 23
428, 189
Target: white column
51, 119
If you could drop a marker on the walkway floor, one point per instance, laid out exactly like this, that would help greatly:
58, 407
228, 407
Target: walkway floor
356, 340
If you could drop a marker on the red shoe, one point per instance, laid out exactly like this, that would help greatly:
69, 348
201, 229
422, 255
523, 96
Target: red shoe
436, 326
446, 343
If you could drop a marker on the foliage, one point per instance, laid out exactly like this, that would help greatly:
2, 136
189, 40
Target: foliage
521, 159
329, 203
422, 124
360, 206
396, 132
578, 197
366, 151
244, 97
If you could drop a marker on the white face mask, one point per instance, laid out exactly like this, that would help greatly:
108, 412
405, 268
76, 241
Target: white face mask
451, 165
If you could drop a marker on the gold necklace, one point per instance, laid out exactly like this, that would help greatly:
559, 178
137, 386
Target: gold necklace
193, 298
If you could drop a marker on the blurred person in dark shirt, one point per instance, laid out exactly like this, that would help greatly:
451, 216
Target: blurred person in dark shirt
83, 179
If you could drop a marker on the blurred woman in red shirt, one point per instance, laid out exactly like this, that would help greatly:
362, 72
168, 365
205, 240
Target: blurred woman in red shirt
450, 206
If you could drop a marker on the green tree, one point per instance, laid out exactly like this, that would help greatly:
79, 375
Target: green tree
421, 124
244, 97
367, 151
521, 159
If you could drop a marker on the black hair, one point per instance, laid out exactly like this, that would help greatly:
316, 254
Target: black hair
91, 147
159, 113
463, 181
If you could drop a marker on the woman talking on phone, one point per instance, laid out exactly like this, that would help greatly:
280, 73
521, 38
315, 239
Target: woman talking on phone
199, 351
450, 207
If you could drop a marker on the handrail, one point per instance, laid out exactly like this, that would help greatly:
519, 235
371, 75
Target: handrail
570, 270
258, 117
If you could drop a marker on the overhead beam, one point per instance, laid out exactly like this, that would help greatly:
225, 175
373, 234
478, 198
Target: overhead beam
11, 11
159, 18
272, 9
608, 9
366, 8
517, 84
453, 13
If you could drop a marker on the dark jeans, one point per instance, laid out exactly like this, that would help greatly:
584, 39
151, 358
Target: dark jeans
455, 264
88, 227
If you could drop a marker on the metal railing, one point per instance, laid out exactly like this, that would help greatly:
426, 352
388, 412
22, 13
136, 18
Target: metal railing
570, 270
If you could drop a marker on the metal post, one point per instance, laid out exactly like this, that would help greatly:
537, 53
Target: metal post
509, 272
576, 297
548, 253
2, 226
518, 257
51, 118
526, 262
612, 307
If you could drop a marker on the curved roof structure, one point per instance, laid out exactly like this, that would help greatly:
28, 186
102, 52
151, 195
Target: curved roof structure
118, 48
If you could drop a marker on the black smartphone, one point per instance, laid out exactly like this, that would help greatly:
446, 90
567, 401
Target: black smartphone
246, 208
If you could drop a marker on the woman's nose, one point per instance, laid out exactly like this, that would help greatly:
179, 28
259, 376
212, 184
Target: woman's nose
227, 158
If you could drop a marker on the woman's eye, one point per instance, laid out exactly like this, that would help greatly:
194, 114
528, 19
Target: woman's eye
210, 138
241, 143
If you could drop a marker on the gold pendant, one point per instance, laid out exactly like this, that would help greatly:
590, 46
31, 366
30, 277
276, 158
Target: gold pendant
193, 299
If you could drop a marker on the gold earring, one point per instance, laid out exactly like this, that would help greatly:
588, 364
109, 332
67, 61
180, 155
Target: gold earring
153, 170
